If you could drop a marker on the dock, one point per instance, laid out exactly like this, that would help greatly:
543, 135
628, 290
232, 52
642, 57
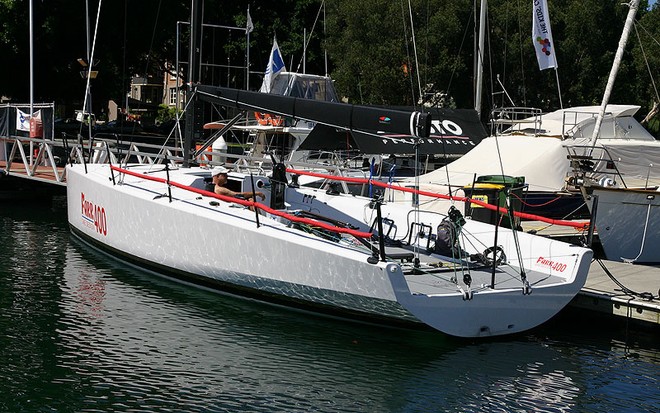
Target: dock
631, 293
40, 173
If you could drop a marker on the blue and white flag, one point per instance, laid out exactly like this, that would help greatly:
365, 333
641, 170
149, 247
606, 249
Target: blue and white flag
22, 121
275, 66
542, 35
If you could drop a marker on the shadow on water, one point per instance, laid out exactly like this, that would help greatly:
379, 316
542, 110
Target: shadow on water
83, 332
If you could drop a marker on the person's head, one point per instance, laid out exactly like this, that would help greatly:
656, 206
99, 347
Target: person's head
219, 175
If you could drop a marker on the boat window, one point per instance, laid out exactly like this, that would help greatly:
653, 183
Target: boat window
304, 86
234, 185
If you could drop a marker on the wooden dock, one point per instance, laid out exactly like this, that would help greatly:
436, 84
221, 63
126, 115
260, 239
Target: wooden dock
558, 232
633, 298
45, 174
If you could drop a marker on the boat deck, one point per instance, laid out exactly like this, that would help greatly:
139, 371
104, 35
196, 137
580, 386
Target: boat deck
438, 277
440, 282
603, 295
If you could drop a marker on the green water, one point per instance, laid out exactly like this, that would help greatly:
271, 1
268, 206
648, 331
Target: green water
80, 332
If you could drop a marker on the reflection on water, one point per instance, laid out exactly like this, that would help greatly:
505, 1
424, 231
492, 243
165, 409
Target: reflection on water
81, 332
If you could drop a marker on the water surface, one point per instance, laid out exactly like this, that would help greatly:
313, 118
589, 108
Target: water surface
80, 332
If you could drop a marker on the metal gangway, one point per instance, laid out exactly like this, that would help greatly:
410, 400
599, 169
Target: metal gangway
41, 155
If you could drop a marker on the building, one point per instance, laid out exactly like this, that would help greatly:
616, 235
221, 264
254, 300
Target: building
146, 90
173, 88
148, 93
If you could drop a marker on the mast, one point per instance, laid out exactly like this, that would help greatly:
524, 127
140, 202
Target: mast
31, 81
479, 69
31, 65
193, 111
634, 4
249, 26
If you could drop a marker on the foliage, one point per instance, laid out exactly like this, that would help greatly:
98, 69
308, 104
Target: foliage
369, 43
376, 60
165, 113
646, 64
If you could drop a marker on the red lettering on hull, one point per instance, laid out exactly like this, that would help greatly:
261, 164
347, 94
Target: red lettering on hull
93, 215
553, 265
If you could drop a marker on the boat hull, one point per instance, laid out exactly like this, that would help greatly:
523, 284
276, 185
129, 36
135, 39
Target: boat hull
222, 246
628, 225
200, 240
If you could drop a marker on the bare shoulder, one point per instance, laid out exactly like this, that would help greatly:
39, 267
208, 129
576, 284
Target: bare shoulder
221, 190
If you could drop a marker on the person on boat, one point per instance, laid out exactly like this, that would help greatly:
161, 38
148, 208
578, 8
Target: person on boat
219, 177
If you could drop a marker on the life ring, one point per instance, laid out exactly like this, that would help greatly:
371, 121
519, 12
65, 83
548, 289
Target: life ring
266, 119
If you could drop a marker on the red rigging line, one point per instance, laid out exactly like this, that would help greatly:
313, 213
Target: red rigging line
578, 225
359, 234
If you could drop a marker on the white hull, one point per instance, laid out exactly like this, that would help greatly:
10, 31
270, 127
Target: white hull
212, 243
491, 306
628, 224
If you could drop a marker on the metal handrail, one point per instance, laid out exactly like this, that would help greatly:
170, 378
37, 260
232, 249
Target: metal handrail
606, 157
504, 119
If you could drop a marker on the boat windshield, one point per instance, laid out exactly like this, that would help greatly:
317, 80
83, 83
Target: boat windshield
304, 86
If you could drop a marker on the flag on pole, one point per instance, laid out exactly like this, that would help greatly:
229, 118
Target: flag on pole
249, 26
22, 121
542, 35
275, 66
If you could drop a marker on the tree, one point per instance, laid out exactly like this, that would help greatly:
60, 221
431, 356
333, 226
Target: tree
369, 44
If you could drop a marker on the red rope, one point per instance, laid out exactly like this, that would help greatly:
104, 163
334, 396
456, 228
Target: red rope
258, 205
535, 205
577, 225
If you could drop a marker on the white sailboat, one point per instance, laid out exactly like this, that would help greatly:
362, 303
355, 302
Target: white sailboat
163, 220
314, 249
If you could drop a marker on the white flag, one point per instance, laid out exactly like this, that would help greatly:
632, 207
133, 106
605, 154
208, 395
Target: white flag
542, 35
275, 66
249, 26
22, 121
